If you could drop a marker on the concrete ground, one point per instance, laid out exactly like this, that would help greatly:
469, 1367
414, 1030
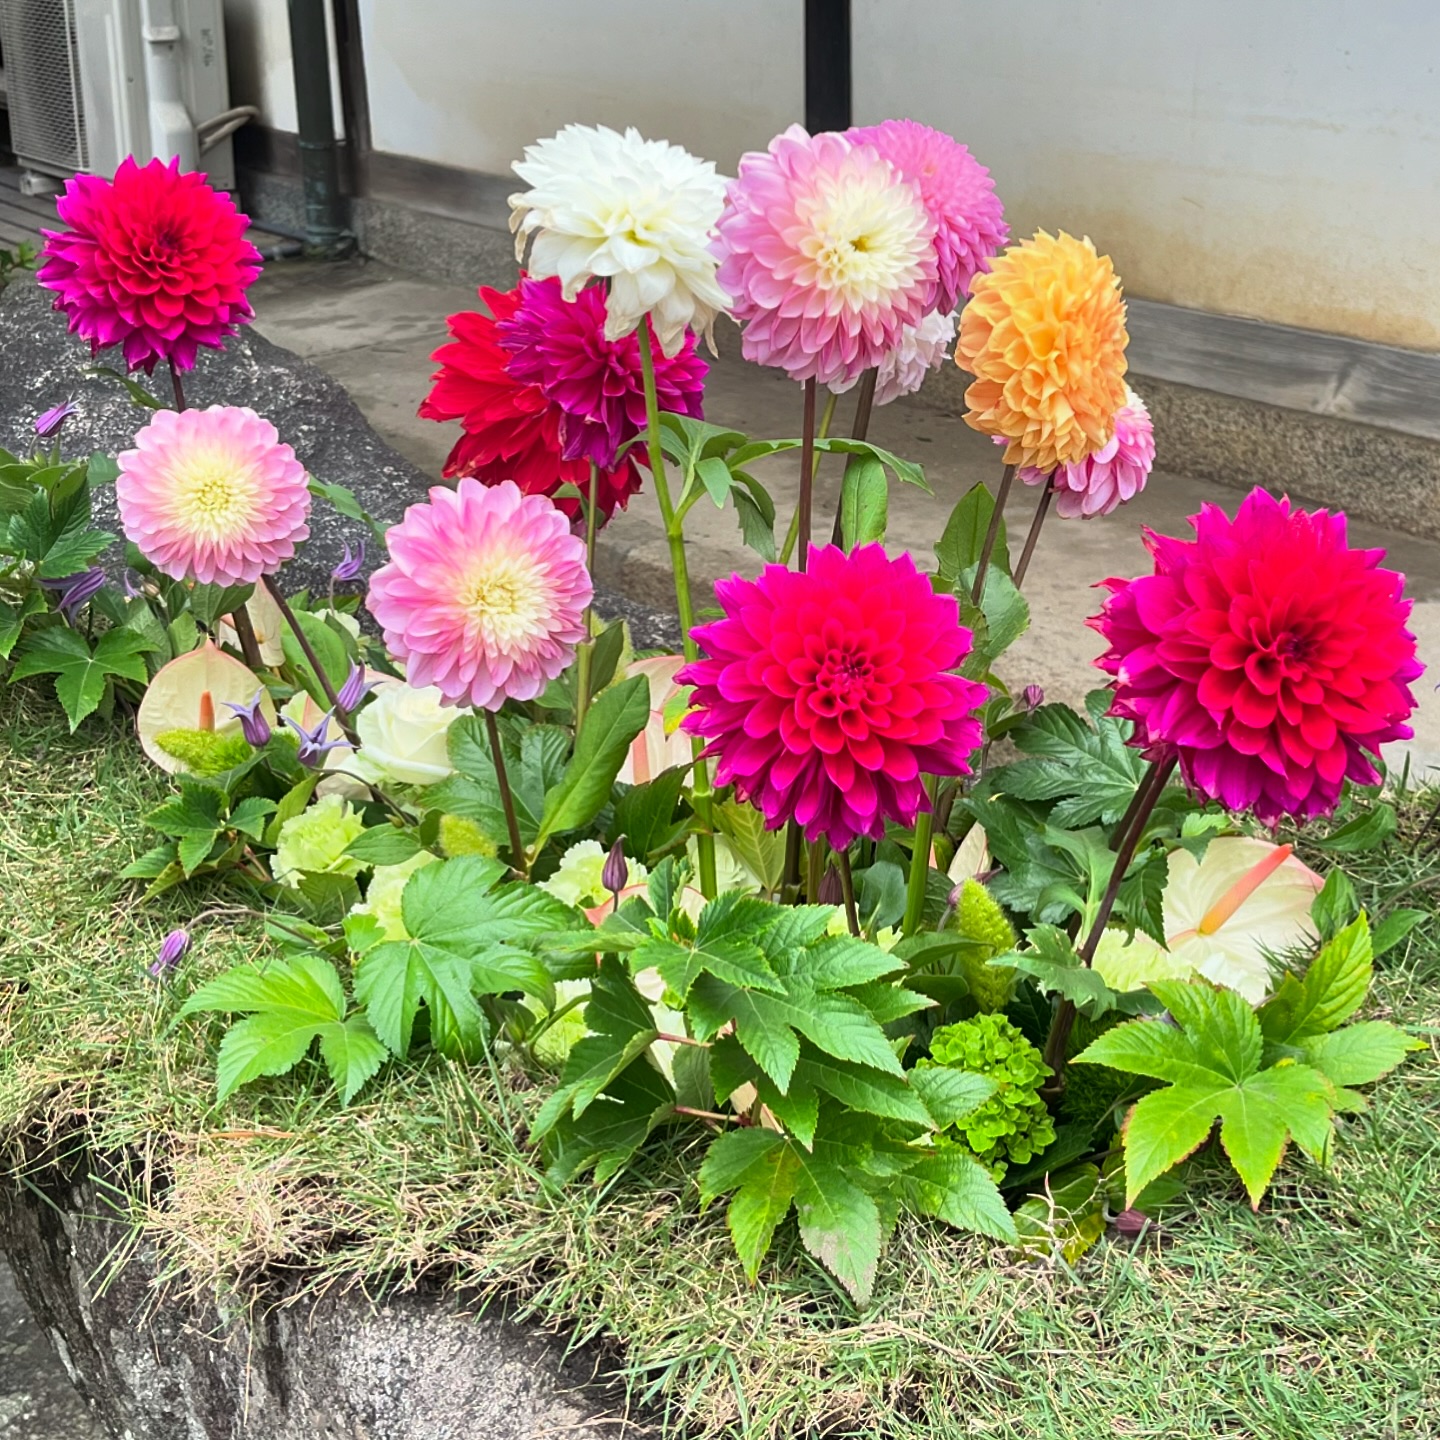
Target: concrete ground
373, 328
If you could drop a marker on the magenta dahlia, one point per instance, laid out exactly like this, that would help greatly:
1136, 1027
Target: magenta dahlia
828, 253
559, 347
958, 193
827, 693
1266, 655
154, 261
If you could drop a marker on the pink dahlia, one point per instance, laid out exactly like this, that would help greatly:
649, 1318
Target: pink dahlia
559, 347
1115, 473
512, 430
826, 694
958, 194
154, 261
212, 495
1265, 654
828, 252
484, 594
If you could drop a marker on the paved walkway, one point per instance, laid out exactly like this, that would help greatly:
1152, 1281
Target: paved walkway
373, 328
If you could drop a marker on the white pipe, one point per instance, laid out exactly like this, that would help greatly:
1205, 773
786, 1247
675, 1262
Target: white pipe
172, 131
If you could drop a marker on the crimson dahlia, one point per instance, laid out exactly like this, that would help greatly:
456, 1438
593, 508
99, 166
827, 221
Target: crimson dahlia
827, 695
154, 261
1266, 655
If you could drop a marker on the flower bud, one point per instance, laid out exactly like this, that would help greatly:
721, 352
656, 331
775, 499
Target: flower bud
253, 724
617, 871
831, 892
356, 687
351, 565
172, 947
1032, 697
50, 422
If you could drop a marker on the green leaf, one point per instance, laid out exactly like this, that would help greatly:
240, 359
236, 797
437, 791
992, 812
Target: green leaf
715, 476
1332, 989
1053, 964
864, 502
250, 816
759, 1206
1335, 906
645, 815
81, 676
954, 1187
757, 530
764, 1032
329, 644
839, 1222
761, 851
347, 504
614, 720
1394, 928
384, 845
963, 539
1367, 831
1066, 1219
1094, 771
948, 1094
352, 1054
209, 602
864, 1089
1359, 1054
136, 391
608, 647
102, 469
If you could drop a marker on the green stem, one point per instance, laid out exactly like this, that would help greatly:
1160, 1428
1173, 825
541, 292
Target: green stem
701, 795
814, 870
308, 650
507, 800
822, 430
920, 864
808, 460
847, 889
177, 387
858, 431
245, 633
585, 658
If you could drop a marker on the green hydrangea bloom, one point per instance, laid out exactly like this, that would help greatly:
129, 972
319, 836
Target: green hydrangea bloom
383, 895
1013, 1125
205, 752
980, 918
315, 840
459, 836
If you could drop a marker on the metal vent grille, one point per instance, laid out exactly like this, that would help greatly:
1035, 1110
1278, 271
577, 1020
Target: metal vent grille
42, 71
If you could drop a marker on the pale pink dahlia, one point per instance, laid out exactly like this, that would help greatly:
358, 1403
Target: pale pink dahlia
827, 693
920, 349
958, 192
154, 261
212, 495
1266, 655
484, 595
828, 253
1115, 473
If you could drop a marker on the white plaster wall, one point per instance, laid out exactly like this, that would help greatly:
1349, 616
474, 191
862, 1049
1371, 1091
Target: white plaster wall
1271, 158
472, 82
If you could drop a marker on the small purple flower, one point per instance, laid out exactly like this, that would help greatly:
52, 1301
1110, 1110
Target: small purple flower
253, 724
313, 744
74, 590
50, 422
172, 947
1032, 697
350, 566
130, 583
615, 872
355, 689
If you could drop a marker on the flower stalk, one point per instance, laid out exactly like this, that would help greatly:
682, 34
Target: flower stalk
822, 430
1041, 510
585, 657
807, 474
701, 795
919, 863
245, 633
308, 650
176, 386
847, 889
507, 800
992, 534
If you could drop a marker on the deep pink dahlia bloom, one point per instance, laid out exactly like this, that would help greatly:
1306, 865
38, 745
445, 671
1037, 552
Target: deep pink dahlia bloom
1267, 655
154, 261
485, 593
212, 495
560, 347
1115, 473
828, 253
959, 194
826, 694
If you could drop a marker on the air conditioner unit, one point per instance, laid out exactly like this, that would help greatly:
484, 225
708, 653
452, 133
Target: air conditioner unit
92, 81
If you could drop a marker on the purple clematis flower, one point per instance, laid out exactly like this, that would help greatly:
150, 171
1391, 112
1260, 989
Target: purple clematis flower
314, 745
355, 689
50, 422
72, 591
172, 947
1032, 697
253, 724
351, 565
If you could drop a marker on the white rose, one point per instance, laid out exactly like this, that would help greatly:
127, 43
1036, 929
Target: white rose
403, 735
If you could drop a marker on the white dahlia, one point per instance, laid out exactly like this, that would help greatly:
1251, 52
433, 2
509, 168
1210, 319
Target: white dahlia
637, 212
920, 349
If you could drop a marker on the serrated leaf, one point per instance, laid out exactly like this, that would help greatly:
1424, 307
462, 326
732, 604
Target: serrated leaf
384, 845
864, 1089
1053, 964
764, 1033
839, 1222
955, 1188
759, 1206
1359, 1054
1332, 989
761, 851
352, 1054
81, 675
209, 602
949, 1095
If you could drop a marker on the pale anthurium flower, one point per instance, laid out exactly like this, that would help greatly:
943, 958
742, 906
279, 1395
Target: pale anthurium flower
194, 692
267, 623
972, 857
315, 840
404, 735
662, 744
638, 213
383, 895
1225, 917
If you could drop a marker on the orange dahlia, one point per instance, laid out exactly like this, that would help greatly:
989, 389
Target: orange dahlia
1044, 336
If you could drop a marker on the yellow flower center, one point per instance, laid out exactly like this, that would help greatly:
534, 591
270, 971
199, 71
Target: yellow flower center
862, 244
505, 601
211, 496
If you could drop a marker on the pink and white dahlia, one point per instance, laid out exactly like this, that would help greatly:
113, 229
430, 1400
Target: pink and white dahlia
213, 495
827, 252
484, 595
154, 261
957, 191
637, 212
920, 349
1266, 655
827, 693
1115, 473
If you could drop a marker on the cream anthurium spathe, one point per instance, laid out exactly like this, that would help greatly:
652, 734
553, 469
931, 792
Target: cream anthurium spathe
194, 692
662, 743
1226, 917
638, 213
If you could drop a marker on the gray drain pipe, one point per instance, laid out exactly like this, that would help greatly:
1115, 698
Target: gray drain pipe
326, 235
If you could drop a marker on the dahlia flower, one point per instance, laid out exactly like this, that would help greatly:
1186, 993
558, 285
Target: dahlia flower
920, 349
826, 693
1267, 655
1115, 473
153, 261
828, 253
212, 495
637, 212
560, 347
484, 593
1044, 336
958, 194
512, 431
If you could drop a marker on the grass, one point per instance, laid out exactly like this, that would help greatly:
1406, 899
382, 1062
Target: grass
1314, 1318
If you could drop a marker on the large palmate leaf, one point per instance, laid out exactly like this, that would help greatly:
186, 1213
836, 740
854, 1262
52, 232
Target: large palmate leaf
82, 675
